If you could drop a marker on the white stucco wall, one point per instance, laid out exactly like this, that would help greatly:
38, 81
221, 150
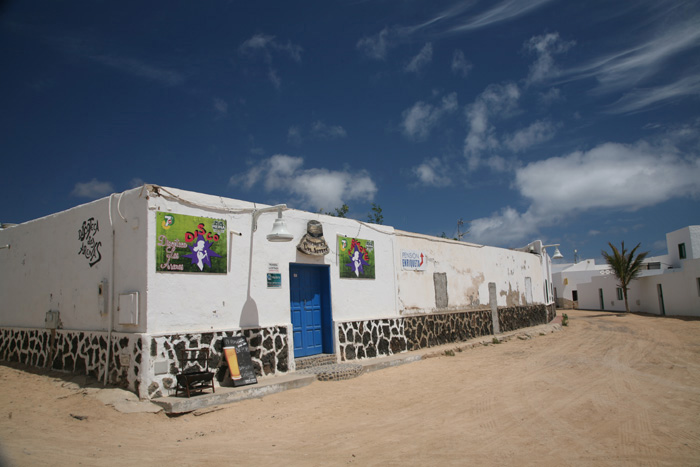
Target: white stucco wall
43, 269
207, 302
469, 268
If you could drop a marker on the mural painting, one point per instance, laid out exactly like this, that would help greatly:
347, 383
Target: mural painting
356, 258
190, 244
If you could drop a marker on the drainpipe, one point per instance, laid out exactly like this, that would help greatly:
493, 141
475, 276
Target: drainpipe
110, 312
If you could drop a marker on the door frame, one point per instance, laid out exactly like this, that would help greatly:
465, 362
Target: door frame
327, 334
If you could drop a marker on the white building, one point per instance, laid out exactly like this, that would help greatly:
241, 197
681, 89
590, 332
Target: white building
118, 287
668, 285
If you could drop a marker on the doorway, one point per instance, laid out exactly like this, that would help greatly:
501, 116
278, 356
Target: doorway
310, 304
662, 308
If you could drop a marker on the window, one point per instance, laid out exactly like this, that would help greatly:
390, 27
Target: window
681, 250
698, 286
653, 265
619, 294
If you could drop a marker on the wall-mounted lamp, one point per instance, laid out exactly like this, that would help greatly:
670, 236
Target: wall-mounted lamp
279, 229
557, 254
4, 246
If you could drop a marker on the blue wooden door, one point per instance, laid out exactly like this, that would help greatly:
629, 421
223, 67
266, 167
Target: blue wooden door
306, 305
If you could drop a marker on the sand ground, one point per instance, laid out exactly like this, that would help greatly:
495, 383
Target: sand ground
609, 389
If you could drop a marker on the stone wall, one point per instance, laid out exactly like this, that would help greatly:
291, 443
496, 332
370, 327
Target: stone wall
76, 352
371, 338
444, 328
512, 318
269, 352
84, 353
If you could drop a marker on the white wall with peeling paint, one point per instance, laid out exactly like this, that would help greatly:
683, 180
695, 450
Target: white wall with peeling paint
469, 269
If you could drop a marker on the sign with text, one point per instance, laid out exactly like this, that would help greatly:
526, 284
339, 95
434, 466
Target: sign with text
190, 243
356, 258
413, 260
240, 365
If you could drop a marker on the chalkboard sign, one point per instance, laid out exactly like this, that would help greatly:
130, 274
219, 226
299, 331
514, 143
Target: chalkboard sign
237, 356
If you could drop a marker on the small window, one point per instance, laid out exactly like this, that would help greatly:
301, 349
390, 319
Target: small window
654, 265
681, 250
619, 294
698, 280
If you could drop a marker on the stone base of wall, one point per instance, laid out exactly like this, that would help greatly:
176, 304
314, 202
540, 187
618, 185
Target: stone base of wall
512, 318
269, 352
132, 356
77, 352
370, 338
444, 328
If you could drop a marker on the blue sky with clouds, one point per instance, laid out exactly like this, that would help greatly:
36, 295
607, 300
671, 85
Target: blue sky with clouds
572, 122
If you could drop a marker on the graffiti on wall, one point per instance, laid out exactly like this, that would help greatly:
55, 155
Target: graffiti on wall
90, 247
190, 244
356, 258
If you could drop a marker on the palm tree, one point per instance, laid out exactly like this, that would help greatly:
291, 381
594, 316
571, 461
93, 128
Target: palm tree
625, 265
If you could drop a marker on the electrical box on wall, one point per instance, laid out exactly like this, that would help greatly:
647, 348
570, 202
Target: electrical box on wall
129, 308
102, 297
53, 319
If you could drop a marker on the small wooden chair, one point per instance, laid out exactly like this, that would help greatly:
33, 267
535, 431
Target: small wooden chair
194, 376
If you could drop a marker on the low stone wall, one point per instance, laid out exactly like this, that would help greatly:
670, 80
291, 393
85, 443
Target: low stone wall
512, 318
444, 328
84, 353
371, 338
76, 352
269, 352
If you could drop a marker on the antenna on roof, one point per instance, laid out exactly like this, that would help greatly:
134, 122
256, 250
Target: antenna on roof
460, 234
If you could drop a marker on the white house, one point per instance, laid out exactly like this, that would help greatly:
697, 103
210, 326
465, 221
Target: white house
668, 285
118, 287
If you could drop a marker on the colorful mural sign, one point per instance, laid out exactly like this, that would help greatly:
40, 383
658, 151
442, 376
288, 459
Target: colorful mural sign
190, 244
356, 258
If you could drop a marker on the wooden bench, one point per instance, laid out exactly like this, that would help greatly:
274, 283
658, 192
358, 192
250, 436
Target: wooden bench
195, 375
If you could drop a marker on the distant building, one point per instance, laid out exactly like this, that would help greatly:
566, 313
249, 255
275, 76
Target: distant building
119, 287
668, 285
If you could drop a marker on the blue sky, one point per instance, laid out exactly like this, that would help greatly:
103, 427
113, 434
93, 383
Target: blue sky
572, 122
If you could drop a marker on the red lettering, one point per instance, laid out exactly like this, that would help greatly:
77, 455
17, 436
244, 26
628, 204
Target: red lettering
189, 237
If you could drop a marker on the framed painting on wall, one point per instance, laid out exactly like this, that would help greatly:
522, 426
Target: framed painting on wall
356, 258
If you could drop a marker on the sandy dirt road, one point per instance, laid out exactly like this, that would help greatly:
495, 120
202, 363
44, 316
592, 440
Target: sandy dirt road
608, 389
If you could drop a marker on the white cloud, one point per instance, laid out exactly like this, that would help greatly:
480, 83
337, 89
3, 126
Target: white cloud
639, 99
460, 65
266, 47
419, 120
316, 188
294, 135
221, 107
377, 46
433, 172
503, 11
424, 57
610, 176
141, 69
92, 189
545, 47
320, 130
537, 132
497, 101
640, 69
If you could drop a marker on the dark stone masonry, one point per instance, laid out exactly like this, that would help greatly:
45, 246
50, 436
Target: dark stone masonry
510, 319
444, 328
371, 338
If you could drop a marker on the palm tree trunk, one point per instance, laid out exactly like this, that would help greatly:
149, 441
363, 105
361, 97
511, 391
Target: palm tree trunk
627, 305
